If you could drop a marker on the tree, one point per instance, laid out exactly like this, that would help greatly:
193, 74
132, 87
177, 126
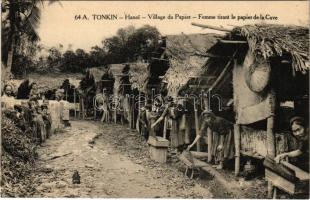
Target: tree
68, 63
130, 44
54, 58
97, 56
82, 61
20, 18
143, 42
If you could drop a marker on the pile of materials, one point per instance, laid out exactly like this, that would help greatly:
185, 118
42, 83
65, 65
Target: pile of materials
17, 160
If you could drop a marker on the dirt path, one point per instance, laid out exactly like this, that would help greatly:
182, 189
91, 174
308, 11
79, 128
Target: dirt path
111, 163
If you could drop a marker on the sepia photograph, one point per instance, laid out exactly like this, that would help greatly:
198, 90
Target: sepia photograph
155, 99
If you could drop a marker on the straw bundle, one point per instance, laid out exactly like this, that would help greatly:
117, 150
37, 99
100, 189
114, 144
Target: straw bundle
276, 40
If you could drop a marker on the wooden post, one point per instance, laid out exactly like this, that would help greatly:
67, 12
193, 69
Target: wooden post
83, 114
237, 138
80, 107
209, 131
139, 107
95, 114
74, 99
129, 111
133, 114
210, 135
165, 128
271, 151
196, 124
115, 114
271, 146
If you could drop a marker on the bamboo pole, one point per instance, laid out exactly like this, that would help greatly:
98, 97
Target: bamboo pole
80, 108
237, 138
139, 105
196, 124
222, 73
210, 55
74, 100
271, 148
211, 27
233, 41
129, 112
209, 131
95, 114
115, 113
209, 134
161, 59
165, 128
83, 114
133, 113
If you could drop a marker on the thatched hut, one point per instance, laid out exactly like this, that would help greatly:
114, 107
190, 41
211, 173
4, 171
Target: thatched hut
133, 80
186, 58
179, 59
177, 62
125, 81
268, 66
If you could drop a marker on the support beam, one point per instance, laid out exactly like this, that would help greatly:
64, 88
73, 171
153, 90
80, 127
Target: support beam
95, 113
209, 134
271, 147
200, 86
121, 75
210, 55
83, 114
233, 41
237, 138
165, 128
222, 73
161, 59
196, 124
74, 100
211, 27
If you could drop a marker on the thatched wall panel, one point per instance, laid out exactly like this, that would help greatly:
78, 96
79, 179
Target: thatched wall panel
255, 141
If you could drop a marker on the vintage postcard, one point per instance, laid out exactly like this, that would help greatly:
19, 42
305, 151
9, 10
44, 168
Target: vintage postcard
155, 99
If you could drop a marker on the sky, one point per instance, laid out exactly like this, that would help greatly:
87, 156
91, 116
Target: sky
58, 24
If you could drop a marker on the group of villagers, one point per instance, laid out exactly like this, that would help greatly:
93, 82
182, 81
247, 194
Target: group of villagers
32, 115
169, 118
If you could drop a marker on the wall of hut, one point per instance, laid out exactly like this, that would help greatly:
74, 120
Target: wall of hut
252, 109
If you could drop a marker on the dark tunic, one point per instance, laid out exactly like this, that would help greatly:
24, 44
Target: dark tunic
143, 124
303, 160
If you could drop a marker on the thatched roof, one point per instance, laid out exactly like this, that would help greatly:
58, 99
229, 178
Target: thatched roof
186, 54
270, 40
116, 71
54, 81
138, 75
97, 72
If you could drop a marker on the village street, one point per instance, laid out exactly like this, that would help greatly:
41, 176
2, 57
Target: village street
112, 161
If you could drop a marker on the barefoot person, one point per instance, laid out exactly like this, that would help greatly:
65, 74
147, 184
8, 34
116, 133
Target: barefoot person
222, 141
300, 131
